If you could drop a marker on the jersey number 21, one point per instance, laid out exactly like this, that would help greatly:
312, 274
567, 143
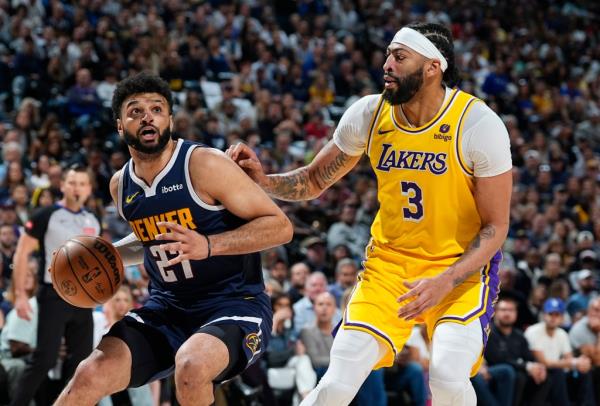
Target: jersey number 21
162, 261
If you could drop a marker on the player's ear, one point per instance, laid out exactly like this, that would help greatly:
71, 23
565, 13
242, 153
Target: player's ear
171, 123
120, 127
433, 66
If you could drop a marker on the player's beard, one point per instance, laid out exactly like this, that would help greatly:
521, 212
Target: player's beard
134, 141
406, 87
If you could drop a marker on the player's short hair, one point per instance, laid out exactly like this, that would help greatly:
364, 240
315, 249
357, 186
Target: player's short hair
442, 39
143, 82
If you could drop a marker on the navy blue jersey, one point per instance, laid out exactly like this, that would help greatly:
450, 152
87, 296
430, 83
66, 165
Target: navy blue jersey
171, 197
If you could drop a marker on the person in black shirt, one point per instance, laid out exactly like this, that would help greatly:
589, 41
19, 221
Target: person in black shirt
46, 231
507, 346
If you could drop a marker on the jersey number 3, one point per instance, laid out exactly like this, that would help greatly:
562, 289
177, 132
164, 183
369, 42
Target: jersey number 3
162, 261
414, 211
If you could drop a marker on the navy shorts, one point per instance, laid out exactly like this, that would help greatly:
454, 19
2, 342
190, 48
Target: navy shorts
155, 332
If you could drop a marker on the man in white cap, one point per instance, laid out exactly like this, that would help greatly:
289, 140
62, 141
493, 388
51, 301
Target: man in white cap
443, 165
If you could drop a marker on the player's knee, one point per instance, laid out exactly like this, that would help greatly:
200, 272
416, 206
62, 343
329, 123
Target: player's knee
89, 374
448, 392
442, 369
191, 370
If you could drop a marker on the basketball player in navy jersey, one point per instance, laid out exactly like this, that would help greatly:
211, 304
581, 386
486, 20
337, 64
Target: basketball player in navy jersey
200, 221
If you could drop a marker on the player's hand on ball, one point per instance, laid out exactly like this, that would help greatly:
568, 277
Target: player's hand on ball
187, 243
423, 294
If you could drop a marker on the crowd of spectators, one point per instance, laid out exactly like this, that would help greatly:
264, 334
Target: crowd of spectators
278, 75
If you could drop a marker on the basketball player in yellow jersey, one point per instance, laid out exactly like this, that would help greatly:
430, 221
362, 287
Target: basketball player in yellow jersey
442, 160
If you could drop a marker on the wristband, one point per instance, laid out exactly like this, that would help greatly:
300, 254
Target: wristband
207, 245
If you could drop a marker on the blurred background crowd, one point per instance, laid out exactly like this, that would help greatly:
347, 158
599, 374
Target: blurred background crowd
277, 75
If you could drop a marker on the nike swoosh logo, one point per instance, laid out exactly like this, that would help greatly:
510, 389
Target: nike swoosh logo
381, 132
130, 198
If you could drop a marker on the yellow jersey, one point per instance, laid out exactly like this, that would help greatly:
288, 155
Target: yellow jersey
425, 190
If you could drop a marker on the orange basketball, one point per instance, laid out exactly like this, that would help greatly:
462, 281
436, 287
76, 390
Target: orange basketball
86, 271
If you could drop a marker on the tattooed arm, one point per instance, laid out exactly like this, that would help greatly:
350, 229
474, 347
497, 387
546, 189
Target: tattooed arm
310, 181
304, 183
492, 196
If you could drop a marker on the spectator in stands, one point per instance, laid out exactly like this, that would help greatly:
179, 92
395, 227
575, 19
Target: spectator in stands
278, 272
289, 369
585, 291
29, 68
19, 336
511, 368
346, 271
348, 232
8, 244
304, 310
318, 338
553, 268
12, 151
551, 347
585, 339
83, 101
298, 275
316, 255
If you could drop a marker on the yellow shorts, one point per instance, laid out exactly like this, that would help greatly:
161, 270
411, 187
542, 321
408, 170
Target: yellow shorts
372, 307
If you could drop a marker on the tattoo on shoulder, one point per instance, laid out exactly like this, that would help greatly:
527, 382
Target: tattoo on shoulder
325, 176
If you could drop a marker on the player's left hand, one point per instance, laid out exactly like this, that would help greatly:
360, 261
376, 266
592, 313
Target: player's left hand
185, 242
425, 293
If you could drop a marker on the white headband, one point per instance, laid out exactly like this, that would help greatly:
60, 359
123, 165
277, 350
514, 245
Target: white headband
421, 44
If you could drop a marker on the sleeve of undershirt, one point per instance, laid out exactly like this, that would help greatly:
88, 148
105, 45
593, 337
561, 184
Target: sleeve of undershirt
485, 142
352, 131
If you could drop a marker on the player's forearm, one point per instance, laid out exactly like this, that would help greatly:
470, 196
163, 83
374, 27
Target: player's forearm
310, 181
487, 242
131, 250
257, 235
292, 186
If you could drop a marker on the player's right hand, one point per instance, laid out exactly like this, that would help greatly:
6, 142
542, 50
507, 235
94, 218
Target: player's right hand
246, 158
23, 308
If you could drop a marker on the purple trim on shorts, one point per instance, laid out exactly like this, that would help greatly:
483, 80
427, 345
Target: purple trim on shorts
494, 287
491, 283
371, 329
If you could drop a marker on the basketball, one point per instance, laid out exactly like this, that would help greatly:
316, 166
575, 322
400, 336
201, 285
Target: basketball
86, 271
